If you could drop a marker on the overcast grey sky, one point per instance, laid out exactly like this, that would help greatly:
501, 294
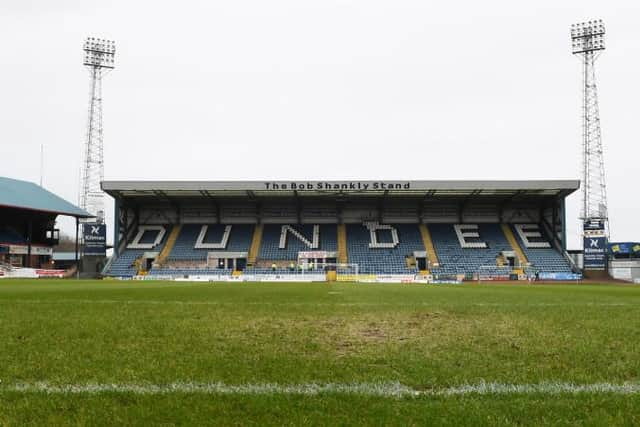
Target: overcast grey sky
364, 89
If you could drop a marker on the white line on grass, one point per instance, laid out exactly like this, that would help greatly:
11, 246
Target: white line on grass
315, 304
382, 389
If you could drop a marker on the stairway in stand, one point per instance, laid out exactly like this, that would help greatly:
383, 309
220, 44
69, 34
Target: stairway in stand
343, 257
508, 233
171, 241
428, 245
254, 249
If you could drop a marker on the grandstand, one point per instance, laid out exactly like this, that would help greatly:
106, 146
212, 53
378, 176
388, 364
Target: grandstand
402, 229
28, 230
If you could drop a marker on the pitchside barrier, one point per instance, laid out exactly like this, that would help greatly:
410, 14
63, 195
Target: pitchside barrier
30, 273
565, 277
492, 273
344, 273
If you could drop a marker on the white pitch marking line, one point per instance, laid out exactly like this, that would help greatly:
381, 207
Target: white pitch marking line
384, 389
315, 304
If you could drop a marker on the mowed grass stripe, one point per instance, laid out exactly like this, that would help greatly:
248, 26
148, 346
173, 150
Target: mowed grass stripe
385, 389
315, 304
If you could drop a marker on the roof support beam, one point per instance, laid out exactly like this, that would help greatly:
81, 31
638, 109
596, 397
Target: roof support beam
465, 202
214, 203
507, 203
427, 196
381, 205
298, 207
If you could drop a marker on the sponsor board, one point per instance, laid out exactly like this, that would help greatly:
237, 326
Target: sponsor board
316, 255
290, 278
22, 273
31, 273
41, 250
18, 249
447, 282
395, 278
49, 273
595, 256
623, 248
494, 278
559, 276
203, 278
623, 264
241, 278
95, 239
594, 225
35, 250
595, 245
155, 277
320, 277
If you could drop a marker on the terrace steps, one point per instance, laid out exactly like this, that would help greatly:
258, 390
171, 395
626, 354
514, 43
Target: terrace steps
254, 249
428, 245
508, 233
171, 241
343, 256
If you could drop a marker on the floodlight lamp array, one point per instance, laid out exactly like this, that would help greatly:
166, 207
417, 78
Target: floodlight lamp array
587, 36
99, 52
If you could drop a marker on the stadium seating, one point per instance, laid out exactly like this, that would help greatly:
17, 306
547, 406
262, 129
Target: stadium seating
542, 259
123, 265
271, 249
457, 260
375, 248
11, 237
184, 248
383, 259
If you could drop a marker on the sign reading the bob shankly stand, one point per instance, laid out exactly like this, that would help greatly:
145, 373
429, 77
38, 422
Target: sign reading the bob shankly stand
337, 186
95, 239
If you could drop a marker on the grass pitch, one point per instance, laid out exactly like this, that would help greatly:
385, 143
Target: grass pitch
106, 352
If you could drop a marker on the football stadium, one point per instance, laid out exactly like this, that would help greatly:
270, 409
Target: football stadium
257, 301
315, 302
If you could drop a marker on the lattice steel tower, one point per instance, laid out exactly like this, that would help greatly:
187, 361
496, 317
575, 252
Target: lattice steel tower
99, 57
587, 41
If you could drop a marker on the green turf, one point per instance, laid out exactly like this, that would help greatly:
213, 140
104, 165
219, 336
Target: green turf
425, 337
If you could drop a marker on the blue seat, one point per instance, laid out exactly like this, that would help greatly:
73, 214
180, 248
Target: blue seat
184, 247
455, 260
270, 245
547, 260
383, 260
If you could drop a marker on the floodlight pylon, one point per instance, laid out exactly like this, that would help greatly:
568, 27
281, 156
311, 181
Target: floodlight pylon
99, 56
587, 41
